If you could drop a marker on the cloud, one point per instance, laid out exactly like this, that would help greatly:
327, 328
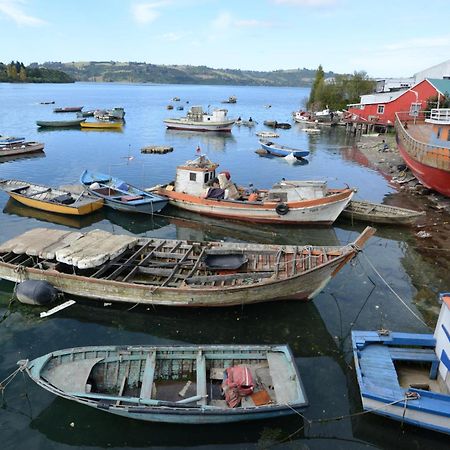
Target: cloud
144, 13
225, 21
308, 3
13, 9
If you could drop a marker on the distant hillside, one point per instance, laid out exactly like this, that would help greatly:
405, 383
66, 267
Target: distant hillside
134, 72
17, 72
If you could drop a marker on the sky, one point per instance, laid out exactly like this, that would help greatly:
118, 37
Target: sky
386, 38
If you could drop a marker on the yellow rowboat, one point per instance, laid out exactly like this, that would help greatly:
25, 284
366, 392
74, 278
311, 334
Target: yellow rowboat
102, 125
50, 199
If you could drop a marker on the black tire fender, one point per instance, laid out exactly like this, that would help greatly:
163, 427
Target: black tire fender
282, 209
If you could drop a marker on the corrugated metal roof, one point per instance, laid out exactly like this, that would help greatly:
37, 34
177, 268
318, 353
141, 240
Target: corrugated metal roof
443, 86
383, 97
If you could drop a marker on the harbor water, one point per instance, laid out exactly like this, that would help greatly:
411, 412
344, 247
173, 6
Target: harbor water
317, 331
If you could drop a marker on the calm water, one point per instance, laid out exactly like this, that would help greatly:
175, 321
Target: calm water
318, 332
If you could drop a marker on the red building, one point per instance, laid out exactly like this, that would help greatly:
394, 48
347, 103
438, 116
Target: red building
381, 108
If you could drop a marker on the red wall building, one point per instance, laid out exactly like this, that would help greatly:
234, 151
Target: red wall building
381, 108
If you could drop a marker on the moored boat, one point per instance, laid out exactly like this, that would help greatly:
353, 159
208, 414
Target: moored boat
50, 199
6, 140
120, 195
288, 202
102, 266
405, 376
267, 134
378, 213
282, 150
102, 125
20, 148
176, 384
197, 120
59, 123
68, 109
424, 145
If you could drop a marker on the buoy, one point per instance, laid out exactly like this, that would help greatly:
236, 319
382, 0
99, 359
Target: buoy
36, 292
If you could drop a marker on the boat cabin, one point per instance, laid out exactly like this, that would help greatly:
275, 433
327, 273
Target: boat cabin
440, 121
294, 191
194, 177
197, 114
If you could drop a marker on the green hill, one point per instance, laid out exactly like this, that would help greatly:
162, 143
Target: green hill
17, 72
135, 72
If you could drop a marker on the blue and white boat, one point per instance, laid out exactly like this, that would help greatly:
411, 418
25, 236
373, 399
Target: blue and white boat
118, 194
6, 140
406, 376
282, 150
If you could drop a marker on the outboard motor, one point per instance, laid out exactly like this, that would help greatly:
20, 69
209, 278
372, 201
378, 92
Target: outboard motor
36, 292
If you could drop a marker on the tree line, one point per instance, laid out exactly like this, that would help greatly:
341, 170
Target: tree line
17, 72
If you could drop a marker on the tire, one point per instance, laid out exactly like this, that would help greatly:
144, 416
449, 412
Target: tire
282, 209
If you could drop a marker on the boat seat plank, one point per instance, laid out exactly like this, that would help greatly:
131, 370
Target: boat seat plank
201, 378
283, 377
157, 246
417, 354
125, 265
149, 375
235, 276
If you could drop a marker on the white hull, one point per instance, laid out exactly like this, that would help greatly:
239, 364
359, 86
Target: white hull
181, 124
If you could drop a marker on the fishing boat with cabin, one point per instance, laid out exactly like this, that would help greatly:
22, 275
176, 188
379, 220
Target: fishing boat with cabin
50, 199
197, 120
102, 266
198, 188
406, 376
118, 194
197, 384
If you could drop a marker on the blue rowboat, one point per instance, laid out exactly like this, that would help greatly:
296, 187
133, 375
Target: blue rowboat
175, 384
118, 194
405, 376
282, 150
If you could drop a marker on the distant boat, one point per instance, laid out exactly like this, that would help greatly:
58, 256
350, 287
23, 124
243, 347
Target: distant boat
176, 383
231, 99
378, 213
102, 125
50, 199
120, 195
110, 114
197, 120
68, 109
282, 150
169, 107
20, 148
267, 134
48, 103
89, 113
406, 376
59, 123
176, 99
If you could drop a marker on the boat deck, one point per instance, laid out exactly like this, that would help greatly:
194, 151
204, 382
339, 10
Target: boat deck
420, 132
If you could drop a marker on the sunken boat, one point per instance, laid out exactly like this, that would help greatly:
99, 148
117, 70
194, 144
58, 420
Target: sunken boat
136, 270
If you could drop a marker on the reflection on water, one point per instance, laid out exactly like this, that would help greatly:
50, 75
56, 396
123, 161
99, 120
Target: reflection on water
208, 140
4, 159
15, 208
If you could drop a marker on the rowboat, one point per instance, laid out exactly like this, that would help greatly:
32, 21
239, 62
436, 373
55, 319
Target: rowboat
405, 376
287, 202
149, 271
282, 150
197, 120
267, 134
59, 123
102, 125
176, 384
20, 148
378, 213
50, 199
120, 195
68, 109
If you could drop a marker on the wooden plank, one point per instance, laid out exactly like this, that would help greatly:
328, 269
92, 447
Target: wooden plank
149, 374
122, 384
201, 378
124, 266
277, 263
197, 263
141, 263
234, 276
283, 377
177, 266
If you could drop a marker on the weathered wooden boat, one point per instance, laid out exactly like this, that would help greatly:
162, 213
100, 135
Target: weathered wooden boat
99, 265
424, 144
20, 148
282, 150
270, 123
288, 202
378, 213
8, 140
267, 134
120, 195
197, 120
59, 123
176, 384
405, 376
102, 125
116, 113
68, 109
50, 199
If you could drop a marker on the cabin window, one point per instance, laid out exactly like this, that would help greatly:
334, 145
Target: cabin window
206, 177
380, 109
448, 135
192, 176
439, 131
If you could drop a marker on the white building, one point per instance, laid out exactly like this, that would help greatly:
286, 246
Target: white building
440, 71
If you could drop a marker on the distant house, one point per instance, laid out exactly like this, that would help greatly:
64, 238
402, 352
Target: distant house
393, 84
380, 108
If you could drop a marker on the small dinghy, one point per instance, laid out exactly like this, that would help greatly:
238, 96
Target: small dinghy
378, 213
50, 199
120, 195
68, 109
176, 384
282, 150
59, 123
102, 125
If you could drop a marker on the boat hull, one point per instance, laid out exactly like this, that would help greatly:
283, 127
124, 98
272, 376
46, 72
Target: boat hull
10, 150
102, 125
59, 123
323, 211
276, 151
173, 124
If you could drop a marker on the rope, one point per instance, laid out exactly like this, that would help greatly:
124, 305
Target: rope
4, 383
392, 290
